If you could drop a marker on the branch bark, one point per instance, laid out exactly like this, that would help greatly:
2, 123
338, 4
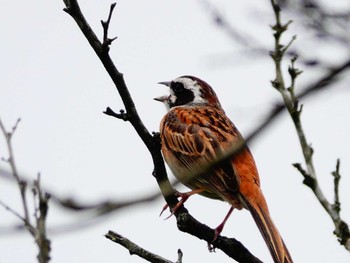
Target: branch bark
135, 249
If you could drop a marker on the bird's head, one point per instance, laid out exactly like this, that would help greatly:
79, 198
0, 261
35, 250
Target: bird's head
189, 90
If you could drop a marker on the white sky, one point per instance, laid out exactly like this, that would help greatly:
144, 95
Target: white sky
53, 81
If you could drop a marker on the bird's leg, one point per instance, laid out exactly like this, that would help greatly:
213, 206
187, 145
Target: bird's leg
218, 230
184, 197
220, 227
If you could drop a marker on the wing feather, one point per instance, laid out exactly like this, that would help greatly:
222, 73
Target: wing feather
195, 140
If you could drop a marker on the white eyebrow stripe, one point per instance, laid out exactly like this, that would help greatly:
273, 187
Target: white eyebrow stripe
194, 87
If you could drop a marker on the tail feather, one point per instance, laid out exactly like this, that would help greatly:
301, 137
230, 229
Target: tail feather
287, 257
268, 230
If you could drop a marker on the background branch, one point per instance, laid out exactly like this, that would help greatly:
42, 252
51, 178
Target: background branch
37, 231
292, 104
11, 161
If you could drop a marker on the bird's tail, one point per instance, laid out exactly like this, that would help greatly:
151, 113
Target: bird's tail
268, 230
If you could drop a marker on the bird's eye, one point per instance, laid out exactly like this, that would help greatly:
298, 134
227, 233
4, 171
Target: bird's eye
177, 87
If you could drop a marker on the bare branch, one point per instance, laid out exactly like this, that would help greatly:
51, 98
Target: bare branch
135, 249
121, 115
97, 209
179, 256
21, 184
41, 236
12, 211
292, 104
321, 20
39, 231
106, 207
105, 24
336, 178
151, 142
342, 229
230, 246
239, 37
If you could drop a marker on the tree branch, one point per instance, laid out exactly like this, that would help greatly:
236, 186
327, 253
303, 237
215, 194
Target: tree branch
96, 210
151, 142
321, 20
105, 24
11, 161
41, 214
292, 104
135, 249
38, 231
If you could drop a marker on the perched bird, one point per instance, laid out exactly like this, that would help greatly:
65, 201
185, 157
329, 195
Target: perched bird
195, 133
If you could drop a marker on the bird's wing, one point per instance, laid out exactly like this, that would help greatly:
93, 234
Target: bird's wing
192, 140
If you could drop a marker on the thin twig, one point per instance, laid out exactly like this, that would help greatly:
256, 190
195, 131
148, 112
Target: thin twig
121, 115
105, 24
336, 179
321, 20
21, 184
179, 256
12, 211
246, 41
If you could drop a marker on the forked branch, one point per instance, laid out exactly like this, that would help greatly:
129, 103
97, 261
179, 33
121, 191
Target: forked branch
37, 230
294, 108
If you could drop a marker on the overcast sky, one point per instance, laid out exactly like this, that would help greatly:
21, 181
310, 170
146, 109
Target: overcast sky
53, 81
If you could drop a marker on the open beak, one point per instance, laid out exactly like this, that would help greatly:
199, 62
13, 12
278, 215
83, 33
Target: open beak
163, 98
166, 83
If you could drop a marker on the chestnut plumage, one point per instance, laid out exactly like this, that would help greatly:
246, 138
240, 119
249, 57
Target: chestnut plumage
196, 132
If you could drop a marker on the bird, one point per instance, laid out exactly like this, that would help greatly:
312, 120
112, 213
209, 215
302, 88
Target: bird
195, 133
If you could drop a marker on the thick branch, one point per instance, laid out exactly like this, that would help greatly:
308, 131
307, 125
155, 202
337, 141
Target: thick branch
151, 142
230, 246
131, 114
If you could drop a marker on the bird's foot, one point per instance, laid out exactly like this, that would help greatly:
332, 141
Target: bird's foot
183, 198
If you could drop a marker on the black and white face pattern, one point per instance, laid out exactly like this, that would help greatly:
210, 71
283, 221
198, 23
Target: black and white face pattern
186, 90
